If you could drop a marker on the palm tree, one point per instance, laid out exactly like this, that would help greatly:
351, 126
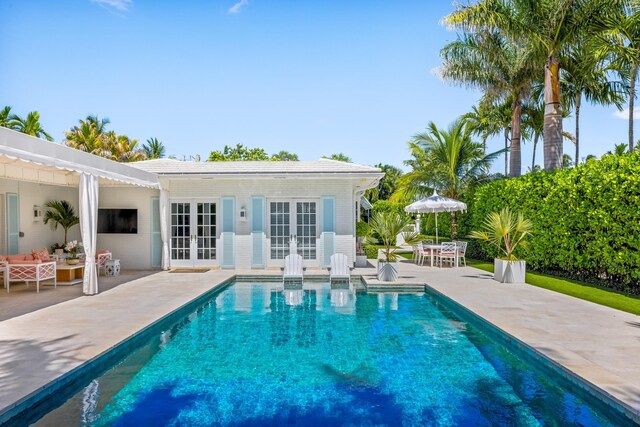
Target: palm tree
154, 149
504, 70
618, 150
622, 39
61, 213
123, 149
447, 160
547, 28
482, 121
89, 136
534, 122
387, 185
30, 126
584, 74
5, 117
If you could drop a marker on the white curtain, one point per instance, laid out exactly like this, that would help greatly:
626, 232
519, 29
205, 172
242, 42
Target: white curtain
164, 228
89, 230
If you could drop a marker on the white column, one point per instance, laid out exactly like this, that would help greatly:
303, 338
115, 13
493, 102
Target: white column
89, 230
164, 228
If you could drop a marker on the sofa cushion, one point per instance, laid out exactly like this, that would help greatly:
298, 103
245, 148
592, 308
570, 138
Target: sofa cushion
24, 261
19, 257
41, 254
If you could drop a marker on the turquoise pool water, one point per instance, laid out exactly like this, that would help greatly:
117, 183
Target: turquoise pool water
258, 355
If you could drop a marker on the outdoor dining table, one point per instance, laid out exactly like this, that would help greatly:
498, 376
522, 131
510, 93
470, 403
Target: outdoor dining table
432, 250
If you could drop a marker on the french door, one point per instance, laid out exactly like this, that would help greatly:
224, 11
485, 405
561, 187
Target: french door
293, 221
193, 233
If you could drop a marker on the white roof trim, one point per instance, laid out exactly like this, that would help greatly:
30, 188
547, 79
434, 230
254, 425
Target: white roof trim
49, 156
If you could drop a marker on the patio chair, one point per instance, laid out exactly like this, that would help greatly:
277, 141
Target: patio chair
339, 269
448, 253
25, 270
462, 249
293, 269
102, 257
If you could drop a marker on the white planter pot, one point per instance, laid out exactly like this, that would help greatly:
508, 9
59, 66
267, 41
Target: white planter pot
361, 261
509, 271
387, 271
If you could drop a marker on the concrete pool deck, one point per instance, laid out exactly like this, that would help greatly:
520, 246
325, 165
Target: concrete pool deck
598, 343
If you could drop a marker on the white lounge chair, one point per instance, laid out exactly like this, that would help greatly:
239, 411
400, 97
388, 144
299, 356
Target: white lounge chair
293, 269
339, 269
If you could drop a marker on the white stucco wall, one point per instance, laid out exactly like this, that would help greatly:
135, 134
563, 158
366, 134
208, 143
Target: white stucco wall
279, 189
133, 250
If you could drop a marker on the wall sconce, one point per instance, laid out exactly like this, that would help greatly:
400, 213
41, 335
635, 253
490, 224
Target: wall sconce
37, 213
243, 214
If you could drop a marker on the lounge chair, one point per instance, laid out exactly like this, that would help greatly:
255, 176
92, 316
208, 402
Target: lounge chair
293, 269
339, 269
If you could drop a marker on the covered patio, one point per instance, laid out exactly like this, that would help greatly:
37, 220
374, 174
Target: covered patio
33, 171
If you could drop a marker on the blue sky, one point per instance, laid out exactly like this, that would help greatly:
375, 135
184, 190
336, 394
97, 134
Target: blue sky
310, 77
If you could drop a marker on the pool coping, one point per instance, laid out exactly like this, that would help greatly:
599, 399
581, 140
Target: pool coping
538, 358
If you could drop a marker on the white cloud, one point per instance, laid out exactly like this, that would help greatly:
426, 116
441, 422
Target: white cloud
236, 7
120, 5
624, 114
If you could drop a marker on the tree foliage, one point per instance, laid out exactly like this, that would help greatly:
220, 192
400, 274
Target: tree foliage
586, 222
154, 149
341, 157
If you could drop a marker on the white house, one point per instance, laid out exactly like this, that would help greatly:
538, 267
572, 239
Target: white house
184, 214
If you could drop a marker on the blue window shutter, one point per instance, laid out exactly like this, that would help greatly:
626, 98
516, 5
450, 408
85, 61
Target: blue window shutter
13, 223
257, 231
257, 214
156, 237
328, 214
228, 215
228, 234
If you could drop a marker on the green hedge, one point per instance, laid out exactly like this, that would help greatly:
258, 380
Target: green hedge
586, 219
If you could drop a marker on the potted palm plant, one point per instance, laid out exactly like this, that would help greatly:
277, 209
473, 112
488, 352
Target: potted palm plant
61, 213
506, 232
388, 225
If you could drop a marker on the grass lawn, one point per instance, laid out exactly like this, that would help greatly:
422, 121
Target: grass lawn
575, 288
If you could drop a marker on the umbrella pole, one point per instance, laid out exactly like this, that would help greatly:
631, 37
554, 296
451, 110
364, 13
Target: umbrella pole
436, 228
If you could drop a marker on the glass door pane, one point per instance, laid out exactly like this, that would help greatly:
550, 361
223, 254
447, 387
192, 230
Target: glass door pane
206, 231
306, 229
180, 231
280, 229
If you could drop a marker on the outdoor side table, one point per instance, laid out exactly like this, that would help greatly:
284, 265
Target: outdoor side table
112, 267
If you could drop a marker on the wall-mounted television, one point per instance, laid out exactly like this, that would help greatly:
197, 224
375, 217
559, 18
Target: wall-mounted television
117, 221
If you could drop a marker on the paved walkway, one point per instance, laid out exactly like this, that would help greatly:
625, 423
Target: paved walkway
598, 343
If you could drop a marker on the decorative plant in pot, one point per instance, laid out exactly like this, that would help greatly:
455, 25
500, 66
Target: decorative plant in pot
362, 231
60, 213
506, 232
72, 248
388, 225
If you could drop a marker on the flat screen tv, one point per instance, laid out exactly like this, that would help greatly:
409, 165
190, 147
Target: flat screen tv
118, 221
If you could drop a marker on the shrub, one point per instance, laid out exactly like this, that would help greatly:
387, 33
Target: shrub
371, 251
586, 219
362, 229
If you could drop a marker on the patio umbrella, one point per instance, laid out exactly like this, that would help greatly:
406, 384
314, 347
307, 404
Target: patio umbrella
436, 204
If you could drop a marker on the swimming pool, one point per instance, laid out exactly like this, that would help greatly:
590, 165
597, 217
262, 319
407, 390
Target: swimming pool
256, 354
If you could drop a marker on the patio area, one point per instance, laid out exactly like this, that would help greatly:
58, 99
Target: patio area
598, 343
22, 299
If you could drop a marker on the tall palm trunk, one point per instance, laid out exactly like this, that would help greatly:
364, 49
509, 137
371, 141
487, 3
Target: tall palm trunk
535, 145
578, 102
515, 168
632, 98
454, 226
506, 152
552, 136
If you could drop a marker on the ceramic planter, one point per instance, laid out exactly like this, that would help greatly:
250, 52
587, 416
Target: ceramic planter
509, 271
387, 271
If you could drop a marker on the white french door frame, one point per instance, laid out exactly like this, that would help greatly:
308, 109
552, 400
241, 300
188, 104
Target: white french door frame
192, 260
293, 227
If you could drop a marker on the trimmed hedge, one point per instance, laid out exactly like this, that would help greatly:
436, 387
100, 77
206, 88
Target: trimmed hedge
586, 219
